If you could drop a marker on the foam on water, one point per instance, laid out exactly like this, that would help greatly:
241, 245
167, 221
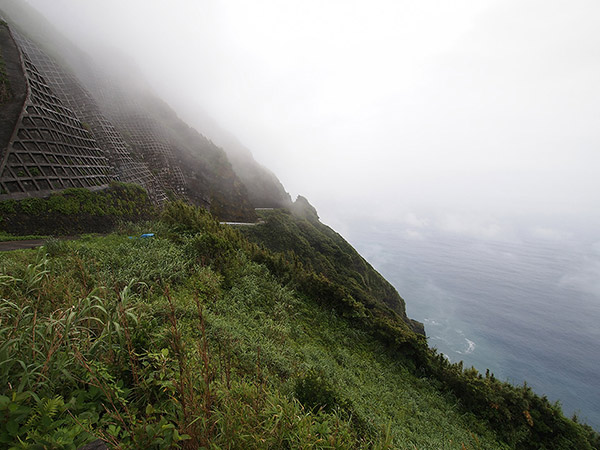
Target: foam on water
470, 347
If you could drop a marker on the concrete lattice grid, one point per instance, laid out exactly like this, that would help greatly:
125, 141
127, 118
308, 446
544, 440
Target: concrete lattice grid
50, 149
148, 139
67, 87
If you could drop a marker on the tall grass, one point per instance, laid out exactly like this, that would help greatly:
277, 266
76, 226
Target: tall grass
185, 341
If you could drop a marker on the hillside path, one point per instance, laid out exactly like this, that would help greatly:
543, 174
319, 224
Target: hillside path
29, 243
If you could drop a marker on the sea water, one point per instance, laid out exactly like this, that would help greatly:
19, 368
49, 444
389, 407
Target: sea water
527, 309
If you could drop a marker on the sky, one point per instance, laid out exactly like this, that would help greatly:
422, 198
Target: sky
470, 114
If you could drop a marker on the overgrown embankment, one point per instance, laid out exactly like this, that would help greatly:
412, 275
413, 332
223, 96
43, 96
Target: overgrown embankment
76, 210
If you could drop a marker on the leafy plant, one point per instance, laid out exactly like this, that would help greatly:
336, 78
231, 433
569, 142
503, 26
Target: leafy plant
45, 424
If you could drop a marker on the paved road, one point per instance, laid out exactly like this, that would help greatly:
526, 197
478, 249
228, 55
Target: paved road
249, 224
18, 245
30, 243
242, 224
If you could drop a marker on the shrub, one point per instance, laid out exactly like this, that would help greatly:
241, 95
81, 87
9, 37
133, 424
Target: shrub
315, 392
186, 218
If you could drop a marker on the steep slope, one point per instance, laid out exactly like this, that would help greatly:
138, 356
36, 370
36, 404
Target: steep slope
49, 148
123, 94
324, 251
206, 175
128, 102
144, 140
204, 348
61, 130
264, 188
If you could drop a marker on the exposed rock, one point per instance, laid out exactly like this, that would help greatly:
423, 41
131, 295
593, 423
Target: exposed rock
302, 208
96, 445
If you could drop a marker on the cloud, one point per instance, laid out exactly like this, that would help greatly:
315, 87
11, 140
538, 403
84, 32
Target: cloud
481, 105
472, 225
551, 234
414, 234
413, 220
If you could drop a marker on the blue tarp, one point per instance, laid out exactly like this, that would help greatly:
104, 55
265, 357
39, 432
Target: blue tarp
145, 235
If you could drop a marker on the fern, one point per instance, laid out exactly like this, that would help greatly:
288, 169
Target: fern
45, 410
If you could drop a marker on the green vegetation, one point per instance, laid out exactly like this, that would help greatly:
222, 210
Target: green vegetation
198, 338
300, 237
76, 210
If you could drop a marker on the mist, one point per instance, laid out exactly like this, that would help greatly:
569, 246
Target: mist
474, 117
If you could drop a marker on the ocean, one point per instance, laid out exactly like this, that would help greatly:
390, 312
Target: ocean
527, 309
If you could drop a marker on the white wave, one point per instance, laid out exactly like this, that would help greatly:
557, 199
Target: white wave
471, 346
431, 321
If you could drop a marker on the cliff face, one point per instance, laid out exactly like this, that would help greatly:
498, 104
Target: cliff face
59, 137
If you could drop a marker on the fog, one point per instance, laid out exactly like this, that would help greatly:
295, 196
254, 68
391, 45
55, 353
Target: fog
471, 115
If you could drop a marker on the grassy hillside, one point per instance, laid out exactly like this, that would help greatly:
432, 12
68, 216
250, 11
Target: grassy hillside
322, 250
199, 338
